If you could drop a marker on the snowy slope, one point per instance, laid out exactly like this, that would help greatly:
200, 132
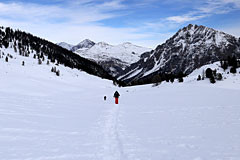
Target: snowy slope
113, 58
229, 80
46, 117
65, 45
125, 52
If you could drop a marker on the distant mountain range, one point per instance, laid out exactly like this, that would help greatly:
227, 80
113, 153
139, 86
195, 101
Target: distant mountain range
113, 58
191, 47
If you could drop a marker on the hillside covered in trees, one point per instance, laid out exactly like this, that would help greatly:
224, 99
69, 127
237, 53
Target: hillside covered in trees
28, 45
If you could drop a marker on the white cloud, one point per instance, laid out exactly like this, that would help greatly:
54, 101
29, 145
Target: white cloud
114, 4
34, 13
205, 9
184, 18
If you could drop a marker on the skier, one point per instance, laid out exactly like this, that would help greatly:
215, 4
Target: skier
105, 98
116, 96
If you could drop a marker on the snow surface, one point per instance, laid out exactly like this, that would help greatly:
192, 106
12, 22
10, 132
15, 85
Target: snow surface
45, 117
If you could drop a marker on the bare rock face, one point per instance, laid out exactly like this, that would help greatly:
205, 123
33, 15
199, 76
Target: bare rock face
85, 44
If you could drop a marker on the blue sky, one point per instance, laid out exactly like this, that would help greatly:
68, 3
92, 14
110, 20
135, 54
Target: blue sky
143, 22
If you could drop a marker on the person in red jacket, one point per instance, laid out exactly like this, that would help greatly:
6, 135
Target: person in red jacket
116, 96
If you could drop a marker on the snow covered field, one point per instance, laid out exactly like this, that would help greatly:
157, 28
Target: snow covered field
45, 117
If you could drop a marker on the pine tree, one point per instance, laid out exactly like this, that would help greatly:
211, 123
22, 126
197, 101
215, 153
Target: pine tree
212, 80
180, 79
58, 73
199, 78
219, 76
53, 69
233, 70
172, 79
225, 65
209, 73
203, 74
39, 61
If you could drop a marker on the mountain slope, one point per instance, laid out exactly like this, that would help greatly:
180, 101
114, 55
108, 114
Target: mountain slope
113, 58
28, 45
190, 48
85, 44
65, 45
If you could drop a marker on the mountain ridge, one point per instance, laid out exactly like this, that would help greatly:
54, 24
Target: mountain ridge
191, 47
113, 58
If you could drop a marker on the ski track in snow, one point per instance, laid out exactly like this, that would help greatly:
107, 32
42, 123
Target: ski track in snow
112, 147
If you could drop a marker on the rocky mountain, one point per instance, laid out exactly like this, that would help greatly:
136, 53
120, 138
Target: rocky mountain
191, 47
85, 44
65, 45
113, 58
30, 46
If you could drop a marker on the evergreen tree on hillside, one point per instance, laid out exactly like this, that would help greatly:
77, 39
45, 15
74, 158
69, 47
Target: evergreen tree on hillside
225, 65
212, 80
39, 61
172, 78
219, 76
199, 78
209, 73
232, 61
233, 70
180, 79
58, 73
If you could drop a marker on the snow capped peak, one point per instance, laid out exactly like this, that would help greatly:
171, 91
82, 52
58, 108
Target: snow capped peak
103, 44
194, 34
65, 45
190, 48
85, 44
124, 52
113, 57
127, 44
